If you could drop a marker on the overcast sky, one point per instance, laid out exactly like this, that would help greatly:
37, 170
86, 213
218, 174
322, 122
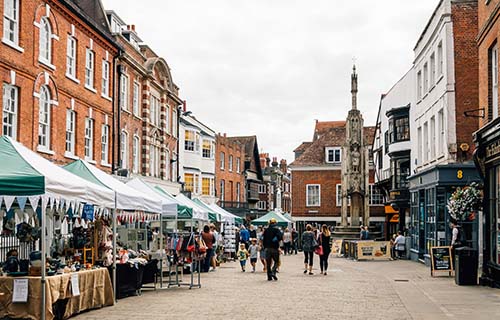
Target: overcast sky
271, 67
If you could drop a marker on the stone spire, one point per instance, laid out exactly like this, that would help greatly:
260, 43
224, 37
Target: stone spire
354, 87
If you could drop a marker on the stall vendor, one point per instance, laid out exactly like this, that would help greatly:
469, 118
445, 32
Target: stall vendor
12, 262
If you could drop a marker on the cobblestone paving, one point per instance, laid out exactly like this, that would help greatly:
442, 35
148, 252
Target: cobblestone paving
352, 290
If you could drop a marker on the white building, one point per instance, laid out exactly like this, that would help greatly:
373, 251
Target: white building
197, 158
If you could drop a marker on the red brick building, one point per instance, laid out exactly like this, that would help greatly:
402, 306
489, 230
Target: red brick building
56, 70
147, 110
318, 163
230, 179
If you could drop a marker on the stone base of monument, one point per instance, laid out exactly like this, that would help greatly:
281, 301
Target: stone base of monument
352, 233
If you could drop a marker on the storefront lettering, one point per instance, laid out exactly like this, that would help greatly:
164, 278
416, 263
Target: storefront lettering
493, 149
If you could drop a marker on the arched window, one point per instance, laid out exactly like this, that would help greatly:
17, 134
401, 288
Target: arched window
44, 118
45, 40
124, 150
135, 154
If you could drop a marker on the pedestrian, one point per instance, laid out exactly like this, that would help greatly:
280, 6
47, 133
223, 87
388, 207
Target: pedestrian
399, 245
295, 240
209, 239
271, 241
324, 237
287, 241
393, 246
309, 243
236, 240
456, 237
242, 256
364, 234
262, 251
244, 236
253, 250
213, 262
252, 231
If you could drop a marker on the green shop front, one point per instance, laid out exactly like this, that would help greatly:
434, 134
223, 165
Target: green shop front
429, 217
487, 157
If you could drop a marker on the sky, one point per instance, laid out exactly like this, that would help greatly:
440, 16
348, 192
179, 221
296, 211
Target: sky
272, 67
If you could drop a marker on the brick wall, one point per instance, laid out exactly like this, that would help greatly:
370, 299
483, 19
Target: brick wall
222, 144
30, 75
465, 29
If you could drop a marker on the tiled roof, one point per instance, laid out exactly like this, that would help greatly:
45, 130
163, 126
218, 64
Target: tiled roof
248, 142
314, 155
324, 126
302, 147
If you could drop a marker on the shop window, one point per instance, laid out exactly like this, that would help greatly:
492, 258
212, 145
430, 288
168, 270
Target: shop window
11, 21
414, 221
430, 219
9, 109
313, 195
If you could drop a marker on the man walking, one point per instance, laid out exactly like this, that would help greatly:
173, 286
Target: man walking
271, 242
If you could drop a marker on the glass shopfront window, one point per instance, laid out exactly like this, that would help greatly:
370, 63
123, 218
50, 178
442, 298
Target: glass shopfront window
441, 220
414, 220
430, 226
495, 215
401, 171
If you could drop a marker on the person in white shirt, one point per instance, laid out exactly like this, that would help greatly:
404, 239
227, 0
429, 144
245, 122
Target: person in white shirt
399, 244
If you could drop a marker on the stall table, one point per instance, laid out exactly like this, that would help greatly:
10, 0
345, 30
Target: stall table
95, 292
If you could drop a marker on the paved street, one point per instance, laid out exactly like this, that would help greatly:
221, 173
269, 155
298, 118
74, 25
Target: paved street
352, 290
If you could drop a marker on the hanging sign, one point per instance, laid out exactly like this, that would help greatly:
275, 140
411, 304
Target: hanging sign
75, 287
441, 260
20, 292
88, 212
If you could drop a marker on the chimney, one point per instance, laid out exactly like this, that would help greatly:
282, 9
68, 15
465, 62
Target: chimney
184, 108
133, 27
283, 165
275, 162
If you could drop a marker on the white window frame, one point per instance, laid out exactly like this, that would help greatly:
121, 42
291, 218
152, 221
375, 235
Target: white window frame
154, 161
124, 92
222, 160
230, 163
105, 78
174, 124
262, 188
426, 142
70, 132
261, 205
45, 41
494, 81
11, 22
167, 118
89, 69
155, 107
136, 99
334, 154
440, 59
44, 112
189, 145
420, 151
124, 149
440, 142
136, 147
372, 202
105, 144
308, 203
432, 145
238, 191
432, 69
89, 139
10, 107
71, 51
426, 78
222, 190
419, 85
167, 167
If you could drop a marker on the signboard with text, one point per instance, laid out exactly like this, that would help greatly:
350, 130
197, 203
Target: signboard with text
373, 250
441, 260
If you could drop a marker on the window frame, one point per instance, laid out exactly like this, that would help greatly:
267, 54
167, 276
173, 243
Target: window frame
136, 145
308, 186
230, 163
155, 107
189, 144
238, 164
10, 100
11, 19
89, 69
136, 99
222, 160
70, 140
494, 80
124, 149
105, 144
380, 197
124, 91
89, 139
105, 78
334, 159
71, 52
47, 31
44, 91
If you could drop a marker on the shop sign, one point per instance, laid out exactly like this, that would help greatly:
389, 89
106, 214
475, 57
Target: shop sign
337, 246
373, 250
493, 150
441, 260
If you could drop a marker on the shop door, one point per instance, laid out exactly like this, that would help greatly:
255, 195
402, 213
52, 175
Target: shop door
421, 224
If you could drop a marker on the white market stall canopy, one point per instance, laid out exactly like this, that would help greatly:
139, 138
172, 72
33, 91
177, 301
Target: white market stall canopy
126, 197
199, 213
169, 206
227, 216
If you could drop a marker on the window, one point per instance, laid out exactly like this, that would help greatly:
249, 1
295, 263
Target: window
313, 195
206, 186
432, 145
167, 167
222, 160
105, 144
154, 161
105, 78
440, 142
155, 111
376, 198
45, 45
433, 69
333, 155
338, 193
207, 149
261, 205
135, 99
419, 85
174, 124
222, 191
426, 78
494, 82
419, 146
124, 150
175, 177
11, 21
167, 118
426, 142
402, 129
71, 57
238, 191
44, 119
89, 69
189, 140
124, 92
135, 155
70, 132
230, 162
89, 139
9, 113
189, 182
440, 59
238, 161
262, 188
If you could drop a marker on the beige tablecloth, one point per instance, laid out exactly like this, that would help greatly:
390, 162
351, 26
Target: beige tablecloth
96, 291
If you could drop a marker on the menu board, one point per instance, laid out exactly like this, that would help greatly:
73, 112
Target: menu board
373, 250
441, 260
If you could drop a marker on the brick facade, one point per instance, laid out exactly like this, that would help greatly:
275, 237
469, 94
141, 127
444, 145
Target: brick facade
230, 178
21, 66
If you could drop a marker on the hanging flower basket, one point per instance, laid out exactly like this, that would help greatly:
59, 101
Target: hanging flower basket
465, 202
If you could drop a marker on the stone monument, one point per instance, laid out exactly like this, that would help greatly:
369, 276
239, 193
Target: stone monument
355, 172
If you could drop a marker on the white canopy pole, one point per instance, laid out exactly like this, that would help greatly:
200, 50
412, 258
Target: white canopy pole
44, 259
114, 253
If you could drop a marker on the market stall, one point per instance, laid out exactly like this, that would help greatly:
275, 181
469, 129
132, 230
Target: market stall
264, 220
36, 191
228, 229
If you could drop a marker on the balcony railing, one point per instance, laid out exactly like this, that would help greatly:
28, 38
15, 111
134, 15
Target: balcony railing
233, 205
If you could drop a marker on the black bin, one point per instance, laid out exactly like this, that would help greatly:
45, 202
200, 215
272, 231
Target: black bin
466, 266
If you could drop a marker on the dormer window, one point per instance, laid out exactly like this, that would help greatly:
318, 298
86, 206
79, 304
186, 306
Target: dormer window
333, 155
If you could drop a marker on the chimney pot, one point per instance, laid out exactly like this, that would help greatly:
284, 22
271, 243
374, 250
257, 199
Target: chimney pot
133, 27
184, 108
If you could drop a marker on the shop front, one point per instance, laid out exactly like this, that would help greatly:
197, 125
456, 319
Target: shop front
487, 157
429, 217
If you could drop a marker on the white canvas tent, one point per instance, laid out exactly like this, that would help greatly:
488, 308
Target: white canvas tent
227, 217
199, 213
169, 207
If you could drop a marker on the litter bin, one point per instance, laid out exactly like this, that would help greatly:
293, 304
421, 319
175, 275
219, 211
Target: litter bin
466, 266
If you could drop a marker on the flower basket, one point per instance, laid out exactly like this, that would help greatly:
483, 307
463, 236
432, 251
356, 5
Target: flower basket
464, 203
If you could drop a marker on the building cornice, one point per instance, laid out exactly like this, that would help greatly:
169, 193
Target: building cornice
488, 24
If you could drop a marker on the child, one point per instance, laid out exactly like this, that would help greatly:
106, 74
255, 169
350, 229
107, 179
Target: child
242, 256
253, 250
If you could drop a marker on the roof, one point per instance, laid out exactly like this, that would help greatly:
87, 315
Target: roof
247, 141
314, 155
324, 126
303, 146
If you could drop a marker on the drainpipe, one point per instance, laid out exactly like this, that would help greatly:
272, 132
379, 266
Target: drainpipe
117, 72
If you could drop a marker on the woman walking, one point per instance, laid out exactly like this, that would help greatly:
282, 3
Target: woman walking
287, 241
308, 245
324, 241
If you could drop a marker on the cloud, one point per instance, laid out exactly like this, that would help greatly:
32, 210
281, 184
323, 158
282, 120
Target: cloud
271, 67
